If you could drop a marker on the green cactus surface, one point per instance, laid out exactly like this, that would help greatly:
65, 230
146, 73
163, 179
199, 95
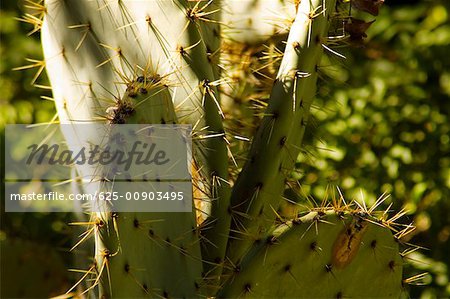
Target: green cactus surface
316, 256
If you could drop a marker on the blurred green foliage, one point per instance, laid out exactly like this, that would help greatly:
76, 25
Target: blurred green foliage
381, 123
20, 102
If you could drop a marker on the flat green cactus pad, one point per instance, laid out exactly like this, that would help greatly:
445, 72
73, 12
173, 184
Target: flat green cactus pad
326, 256
150, 256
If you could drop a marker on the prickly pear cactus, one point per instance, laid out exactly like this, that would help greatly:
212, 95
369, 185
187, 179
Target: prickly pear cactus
316, 256
165, 238
257, 192
169, 62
